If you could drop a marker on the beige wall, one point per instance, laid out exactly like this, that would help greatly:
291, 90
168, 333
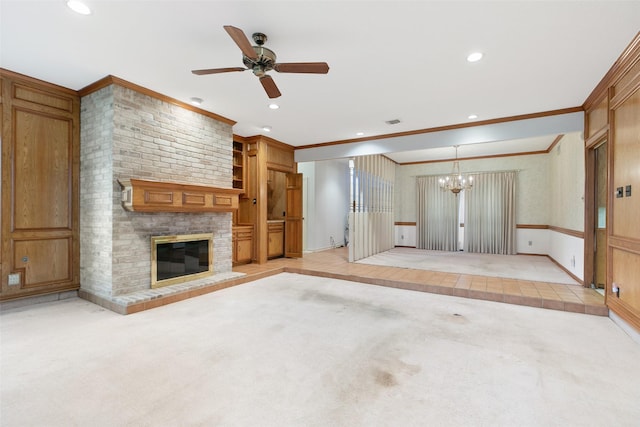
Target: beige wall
566, 170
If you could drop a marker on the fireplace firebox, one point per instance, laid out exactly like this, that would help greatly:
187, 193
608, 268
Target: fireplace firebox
177, 259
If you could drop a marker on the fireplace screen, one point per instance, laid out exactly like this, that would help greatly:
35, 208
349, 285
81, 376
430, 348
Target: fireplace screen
177, 259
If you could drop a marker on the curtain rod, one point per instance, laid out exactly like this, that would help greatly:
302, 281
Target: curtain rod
465, 173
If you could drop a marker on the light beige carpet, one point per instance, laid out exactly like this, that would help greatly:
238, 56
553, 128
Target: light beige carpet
524, 267
293, 350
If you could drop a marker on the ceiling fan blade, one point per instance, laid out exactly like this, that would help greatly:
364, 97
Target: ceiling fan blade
217, 70
242, 41
270, 87
302, 67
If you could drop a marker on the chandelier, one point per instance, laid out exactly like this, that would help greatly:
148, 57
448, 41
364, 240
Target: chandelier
455, 181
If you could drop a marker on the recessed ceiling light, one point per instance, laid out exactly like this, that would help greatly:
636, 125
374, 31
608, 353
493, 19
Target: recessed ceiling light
359, 133
266, 128
196, 101
79, 7
274, 106
475, 57
473, 116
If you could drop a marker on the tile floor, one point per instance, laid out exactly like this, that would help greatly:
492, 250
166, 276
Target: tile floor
334, 263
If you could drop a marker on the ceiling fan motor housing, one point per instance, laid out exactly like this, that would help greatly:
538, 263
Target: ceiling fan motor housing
265, 62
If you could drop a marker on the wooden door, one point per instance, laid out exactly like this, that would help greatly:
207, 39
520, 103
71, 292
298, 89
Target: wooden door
293, 219
40, 170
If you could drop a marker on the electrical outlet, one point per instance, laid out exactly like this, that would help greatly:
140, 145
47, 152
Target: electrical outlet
14, 279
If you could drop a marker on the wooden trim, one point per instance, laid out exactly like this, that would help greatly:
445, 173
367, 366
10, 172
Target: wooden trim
112, 80
574, 277
589, 204
404, 223
449, 127
597, 138
533, 226
460, 159
239, 138
624, 93
555, 142
33, 81
271, 141
587, 118
625, 244
626, 60
624, 311
567, 231
155, 196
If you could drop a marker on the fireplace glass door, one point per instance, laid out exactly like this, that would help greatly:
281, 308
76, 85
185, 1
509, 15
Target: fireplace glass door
177, 259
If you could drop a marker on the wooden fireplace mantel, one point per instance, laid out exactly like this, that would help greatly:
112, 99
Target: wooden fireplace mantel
154, 196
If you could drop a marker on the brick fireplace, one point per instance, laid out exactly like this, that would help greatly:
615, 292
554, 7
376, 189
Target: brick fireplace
129, 132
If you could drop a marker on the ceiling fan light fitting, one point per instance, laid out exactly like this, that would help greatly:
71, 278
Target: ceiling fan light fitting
274, 106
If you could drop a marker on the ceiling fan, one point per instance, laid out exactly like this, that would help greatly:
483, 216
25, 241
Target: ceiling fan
260, 60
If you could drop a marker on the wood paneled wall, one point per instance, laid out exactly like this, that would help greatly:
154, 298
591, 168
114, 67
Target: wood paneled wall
40, 187
613, 115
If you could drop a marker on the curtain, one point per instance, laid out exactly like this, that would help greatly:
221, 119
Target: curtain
436, 217
371, 211
490, 214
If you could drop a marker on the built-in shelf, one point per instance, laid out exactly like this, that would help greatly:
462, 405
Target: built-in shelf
238, 165
155, 196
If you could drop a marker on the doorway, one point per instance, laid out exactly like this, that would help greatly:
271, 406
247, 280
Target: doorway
600, 217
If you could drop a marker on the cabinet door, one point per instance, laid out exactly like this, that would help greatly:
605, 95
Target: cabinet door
293, 222
244, 250
276, 242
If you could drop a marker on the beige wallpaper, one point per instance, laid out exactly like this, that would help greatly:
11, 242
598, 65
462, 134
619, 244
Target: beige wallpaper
566, 169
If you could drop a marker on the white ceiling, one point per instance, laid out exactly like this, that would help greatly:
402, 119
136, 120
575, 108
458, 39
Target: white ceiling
389, 60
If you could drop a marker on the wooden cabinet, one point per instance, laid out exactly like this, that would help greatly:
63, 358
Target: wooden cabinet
242, 237
263, 157
40, 136
239, 170
275, 247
